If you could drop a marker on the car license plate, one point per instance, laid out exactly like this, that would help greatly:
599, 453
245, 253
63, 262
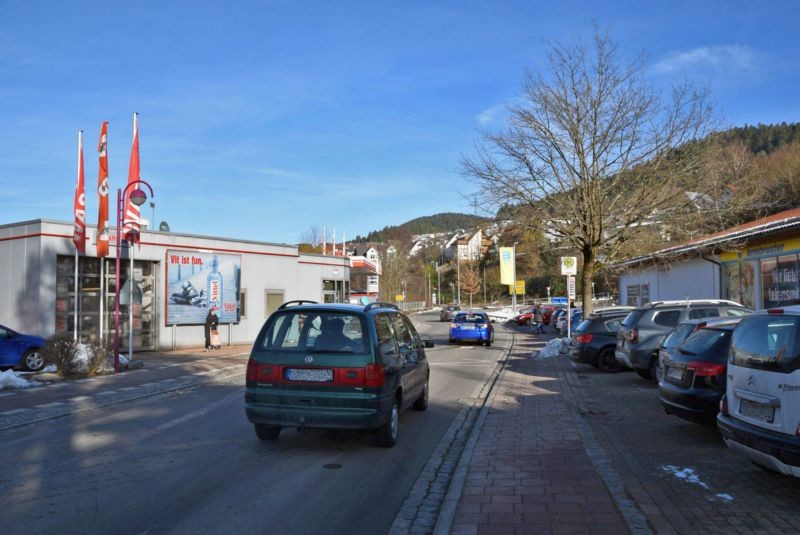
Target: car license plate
758, 411
309, 375
675, 373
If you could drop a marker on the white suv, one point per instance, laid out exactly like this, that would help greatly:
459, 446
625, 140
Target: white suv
760, 412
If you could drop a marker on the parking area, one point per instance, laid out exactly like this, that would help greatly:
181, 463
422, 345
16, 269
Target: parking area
681, 475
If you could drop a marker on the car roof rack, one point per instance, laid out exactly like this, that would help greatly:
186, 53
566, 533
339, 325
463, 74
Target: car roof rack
297, 302
378, 304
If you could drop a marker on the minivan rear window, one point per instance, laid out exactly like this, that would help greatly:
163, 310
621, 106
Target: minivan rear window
767, 342
633, 317
315, 332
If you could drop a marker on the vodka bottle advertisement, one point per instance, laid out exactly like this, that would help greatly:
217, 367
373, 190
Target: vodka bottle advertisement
199, 281
214, 286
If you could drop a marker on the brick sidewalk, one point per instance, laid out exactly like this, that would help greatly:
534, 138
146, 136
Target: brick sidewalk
530, 472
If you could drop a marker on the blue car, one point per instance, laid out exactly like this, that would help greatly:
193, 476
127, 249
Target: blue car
18, 349
472, 327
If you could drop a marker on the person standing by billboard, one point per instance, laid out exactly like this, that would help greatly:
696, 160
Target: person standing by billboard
212, 322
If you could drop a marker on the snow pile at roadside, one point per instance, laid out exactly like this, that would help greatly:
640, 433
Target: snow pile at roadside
502, 314
12, 379
553, 348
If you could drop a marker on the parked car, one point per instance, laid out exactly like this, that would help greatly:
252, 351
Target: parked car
448, 312
557, 313
576, 316
336, 366
760, 413
694, 371
643, 330
595, 339
524, 316
547, 312
20, 350
472, 326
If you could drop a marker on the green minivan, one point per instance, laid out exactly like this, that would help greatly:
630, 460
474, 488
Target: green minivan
336, 366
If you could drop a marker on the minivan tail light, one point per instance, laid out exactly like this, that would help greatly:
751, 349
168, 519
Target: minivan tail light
705, 369
262, 373
374, 375
251, 371
584, 338
633, 334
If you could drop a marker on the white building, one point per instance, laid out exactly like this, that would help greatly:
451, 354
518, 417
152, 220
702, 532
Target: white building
176, 277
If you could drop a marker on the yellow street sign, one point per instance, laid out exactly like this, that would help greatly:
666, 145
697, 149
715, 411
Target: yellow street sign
520, 288
399, 297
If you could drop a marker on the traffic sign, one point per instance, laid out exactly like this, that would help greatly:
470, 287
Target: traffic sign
569, 265
571, 287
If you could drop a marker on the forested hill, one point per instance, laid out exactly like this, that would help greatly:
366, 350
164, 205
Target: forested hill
444, 222
762, 138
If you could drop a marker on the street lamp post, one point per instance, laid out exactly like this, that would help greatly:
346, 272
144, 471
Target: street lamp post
137, 197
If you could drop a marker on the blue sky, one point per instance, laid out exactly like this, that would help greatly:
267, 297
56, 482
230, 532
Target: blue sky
259, 119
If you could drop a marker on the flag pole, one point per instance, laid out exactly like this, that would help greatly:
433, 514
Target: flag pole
102, 296
130, 305
75, 304
75, 286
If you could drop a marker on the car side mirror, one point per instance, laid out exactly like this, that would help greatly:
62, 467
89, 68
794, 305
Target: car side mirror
428, 343
492, 320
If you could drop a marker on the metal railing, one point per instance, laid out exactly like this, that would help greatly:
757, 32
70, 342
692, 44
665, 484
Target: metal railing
411, 305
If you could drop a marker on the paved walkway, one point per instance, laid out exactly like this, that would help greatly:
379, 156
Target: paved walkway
530, 471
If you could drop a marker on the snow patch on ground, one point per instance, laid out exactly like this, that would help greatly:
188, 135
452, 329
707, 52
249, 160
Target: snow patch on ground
553, 348
725, 497
12, 379
503, 314
686, 474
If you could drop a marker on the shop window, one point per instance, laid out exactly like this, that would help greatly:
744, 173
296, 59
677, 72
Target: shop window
273, 299
779, 280
243, 304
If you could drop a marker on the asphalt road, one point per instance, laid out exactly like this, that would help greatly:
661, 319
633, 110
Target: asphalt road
189, 461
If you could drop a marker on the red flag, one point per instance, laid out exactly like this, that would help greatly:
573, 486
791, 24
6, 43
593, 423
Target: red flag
102, 193
131, 221
79, 206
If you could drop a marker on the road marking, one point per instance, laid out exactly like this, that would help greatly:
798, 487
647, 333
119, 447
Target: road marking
196, 414
15, 411
7, 394
461, 363
54, 404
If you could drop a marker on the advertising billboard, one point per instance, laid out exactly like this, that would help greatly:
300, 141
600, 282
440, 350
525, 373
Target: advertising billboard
197, 282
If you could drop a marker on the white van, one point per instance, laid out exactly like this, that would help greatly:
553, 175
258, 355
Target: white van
760, 412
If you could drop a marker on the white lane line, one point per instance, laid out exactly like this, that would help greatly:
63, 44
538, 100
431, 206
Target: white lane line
54, 404
128, 388
107, 392
462, 364
15, 411
4, 394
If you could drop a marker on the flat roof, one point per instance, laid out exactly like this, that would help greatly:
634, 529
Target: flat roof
786, 220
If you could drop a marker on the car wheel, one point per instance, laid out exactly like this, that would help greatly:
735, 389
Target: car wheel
422, 401
32, 360
607, 362
267, 432
488, 342
387, 434
644, 374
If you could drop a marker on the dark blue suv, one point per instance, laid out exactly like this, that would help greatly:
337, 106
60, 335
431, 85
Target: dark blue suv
336, 366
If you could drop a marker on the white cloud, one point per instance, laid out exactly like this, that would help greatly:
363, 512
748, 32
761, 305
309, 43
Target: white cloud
724, 58
490, 115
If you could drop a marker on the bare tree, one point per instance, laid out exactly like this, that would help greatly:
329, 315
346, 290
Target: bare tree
312, 236
589, 148
470, 281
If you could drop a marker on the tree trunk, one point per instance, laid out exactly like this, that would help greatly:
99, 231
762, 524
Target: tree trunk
587, 275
